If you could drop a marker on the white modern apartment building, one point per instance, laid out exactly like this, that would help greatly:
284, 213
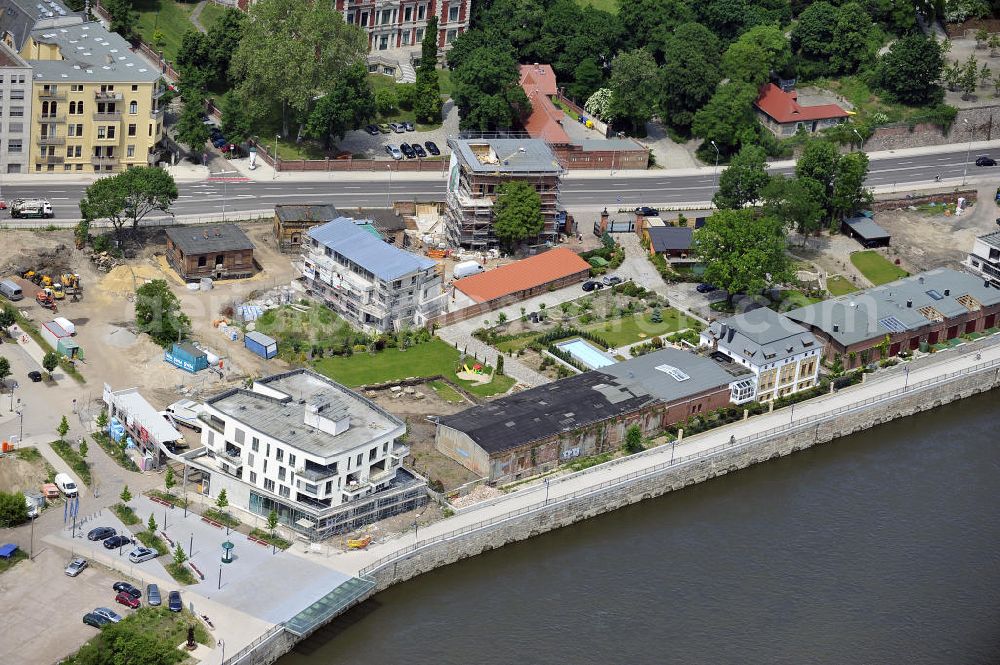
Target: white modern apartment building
323, 457
373, 284
15, 111
984, 259
784, 356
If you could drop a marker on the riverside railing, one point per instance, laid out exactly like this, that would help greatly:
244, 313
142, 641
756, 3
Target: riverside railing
253, 646
661, 468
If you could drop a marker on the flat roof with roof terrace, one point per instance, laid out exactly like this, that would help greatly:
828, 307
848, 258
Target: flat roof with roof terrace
506, 155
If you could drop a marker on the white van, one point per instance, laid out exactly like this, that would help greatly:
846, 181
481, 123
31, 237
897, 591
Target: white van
467, 268
66, 485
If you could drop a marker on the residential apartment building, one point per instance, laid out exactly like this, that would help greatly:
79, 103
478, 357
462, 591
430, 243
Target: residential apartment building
15, 111
371, 283
783, 356
913, 313
323, 457
984, 259
478, 168
398, 24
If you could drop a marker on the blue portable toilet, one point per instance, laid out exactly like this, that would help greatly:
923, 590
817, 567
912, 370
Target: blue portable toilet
261, 344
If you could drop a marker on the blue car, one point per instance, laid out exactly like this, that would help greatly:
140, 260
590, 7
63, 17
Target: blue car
174, 601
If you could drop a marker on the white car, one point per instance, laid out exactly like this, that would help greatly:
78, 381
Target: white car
140, 554
393, 151
75, 567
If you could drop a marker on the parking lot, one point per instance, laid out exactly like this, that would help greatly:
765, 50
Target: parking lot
360, 142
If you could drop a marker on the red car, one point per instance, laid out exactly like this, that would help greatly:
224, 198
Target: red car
125, 599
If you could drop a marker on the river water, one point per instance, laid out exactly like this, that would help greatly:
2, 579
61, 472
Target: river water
877, 548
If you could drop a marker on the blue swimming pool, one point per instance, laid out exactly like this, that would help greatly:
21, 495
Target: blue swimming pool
586, 353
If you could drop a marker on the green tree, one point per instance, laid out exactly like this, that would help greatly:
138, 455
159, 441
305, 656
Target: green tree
180, 556
236, 123
656, 316
102, 419
168, 479
195, 54
982, 35
63, 428
50, 361
985, 75
633, 89
796, 202
4, 369
633, 440
742, 252
812, 35
849, 192
486, 90
151, 524
7, 319
970, 75
854, 42
191, 130
499, 369
83, 448
347, 106
129, 196
290, 52
158, 313
819, 161
406, 94
690, 75
994, 44
224, 38
81, 233
728, 117
587, 78
427, 96
517, 213
13, 510
910, 70
648, 22
952, 75
272, 521
222, 501
744, 180
385, 101
123, 19
125, 496
758, 52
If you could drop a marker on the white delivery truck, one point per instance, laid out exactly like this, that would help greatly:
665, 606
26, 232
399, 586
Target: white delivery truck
467, 269
66, 485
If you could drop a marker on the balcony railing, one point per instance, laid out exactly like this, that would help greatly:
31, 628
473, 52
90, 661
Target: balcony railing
50, 159
112, 116
399, 451
52, 117
381, 476
108, 96
51, 140
156, 115
315, 474
51, 94
159, 92
103, 161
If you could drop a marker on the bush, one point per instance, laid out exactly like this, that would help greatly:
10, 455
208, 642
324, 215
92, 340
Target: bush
406, 94
386, 101
125, 514
152, 541
13, 509
71, 457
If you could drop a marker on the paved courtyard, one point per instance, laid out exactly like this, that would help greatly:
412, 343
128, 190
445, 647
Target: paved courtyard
361, 142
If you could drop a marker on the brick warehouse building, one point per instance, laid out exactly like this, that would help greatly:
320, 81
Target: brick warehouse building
536, 430
218, 252
925, 309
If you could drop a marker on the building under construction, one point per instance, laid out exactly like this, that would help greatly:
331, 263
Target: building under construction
478, 168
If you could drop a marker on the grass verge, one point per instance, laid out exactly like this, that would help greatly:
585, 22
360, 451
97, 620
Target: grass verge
221, 517
277, 541
635, 328
169, 497
115, 451
28, 454
161, 630
125, 514
152, 541
445, 392
878, 269
839, 286
181, 573
71, 457
11, 561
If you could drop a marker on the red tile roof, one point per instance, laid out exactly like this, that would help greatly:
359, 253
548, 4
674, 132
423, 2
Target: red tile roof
784, 107
534, 271
538, 82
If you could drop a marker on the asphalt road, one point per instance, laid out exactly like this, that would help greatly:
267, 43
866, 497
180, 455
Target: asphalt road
215, 196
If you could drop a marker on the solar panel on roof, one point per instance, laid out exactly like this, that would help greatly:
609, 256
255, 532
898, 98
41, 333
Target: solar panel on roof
934, 294
892, 324
674, 372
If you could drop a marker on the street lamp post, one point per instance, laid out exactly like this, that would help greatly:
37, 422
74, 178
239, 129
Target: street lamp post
191, 545
862, 148
222, 643
20, 432
546, 490
715, 173
13, 386
274, 157
388, 192
968, 152
31, 545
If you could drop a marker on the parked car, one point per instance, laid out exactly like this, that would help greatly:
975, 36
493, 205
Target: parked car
646, 211
591, 285
140, 554
397, 127
117, 541
126, 588
407, 150
384, 128
108, 614
152, 595
75, 567
704, 288
127, 600
393, 151
432, 147
35, 376
101, 533
218, 141
95, 620
372, 129
408, 126
419, 149
985, 160
174, 603
611, 280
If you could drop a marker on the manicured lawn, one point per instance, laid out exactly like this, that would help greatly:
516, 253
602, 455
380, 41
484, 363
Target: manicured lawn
791, 298
210, 14
839, 286
517, 343
169, 17
445, 392
425, 359
628, 330
877, 268
610, 6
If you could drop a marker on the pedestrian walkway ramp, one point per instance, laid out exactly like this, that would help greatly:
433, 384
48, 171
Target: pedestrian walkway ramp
343, 597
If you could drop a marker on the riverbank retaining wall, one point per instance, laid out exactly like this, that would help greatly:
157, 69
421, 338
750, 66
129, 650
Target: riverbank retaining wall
559, 512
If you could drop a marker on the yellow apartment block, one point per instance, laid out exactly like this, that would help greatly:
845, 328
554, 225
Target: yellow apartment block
95, 104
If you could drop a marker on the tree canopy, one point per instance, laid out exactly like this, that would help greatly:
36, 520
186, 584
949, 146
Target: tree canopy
487, 90
744, 180
728, 117
690, 75
633, 89
129, 196
158, 313
743, 252
910, 70
348, 105
517, 213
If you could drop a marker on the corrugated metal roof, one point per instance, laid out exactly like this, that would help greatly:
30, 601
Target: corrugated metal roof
349, 239
260, 338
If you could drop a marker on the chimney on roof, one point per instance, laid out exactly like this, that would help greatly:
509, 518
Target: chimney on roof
909, 303
836, 328
947, 292
920, 279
